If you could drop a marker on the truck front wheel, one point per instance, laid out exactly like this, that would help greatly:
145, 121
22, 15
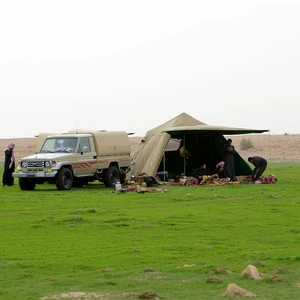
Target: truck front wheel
26, 184
110, 176
64, 179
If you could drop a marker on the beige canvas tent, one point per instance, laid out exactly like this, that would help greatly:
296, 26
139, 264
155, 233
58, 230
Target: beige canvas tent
204, 142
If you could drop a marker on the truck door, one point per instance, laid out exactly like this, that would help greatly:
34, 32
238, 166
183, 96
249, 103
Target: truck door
87, 157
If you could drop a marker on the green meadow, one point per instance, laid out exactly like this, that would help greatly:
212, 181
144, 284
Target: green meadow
103, 244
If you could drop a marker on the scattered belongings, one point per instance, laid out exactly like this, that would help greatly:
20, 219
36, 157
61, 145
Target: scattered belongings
209, 180
266, 179
138, 189
138, 179
151, 181
234, 290
244, 178
188, 181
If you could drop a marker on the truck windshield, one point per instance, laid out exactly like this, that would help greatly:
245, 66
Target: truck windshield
59, 144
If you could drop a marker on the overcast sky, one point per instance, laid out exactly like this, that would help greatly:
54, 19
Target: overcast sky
133, 65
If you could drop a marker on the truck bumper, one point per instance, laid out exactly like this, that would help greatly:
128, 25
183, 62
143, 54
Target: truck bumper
39, 174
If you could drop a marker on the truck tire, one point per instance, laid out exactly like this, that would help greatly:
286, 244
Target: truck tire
64, 179
110, 176
26, 184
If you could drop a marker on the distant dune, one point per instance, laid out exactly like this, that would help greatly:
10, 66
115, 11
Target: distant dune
275, 148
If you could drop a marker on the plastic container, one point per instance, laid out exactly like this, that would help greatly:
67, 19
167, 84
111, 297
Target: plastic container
118, 186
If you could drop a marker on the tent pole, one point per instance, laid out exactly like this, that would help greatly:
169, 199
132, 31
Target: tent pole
184, 156
164, 165
270, 152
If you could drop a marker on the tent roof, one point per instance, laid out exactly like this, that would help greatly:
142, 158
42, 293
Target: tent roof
181, 120
211, 129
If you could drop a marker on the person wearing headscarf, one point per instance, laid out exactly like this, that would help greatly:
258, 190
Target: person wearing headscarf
219, 169
228, 158
9, 165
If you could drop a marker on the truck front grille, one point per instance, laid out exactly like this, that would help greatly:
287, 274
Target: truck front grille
35, 164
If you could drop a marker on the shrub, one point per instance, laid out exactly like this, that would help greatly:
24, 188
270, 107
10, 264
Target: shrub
246, 144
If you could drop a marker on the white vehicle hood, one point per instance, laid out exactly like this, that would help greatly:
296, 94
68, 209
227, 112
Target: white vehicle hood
47, 156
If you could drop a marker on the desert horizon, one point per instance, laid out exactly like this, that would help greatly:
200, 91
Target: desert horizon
275, 148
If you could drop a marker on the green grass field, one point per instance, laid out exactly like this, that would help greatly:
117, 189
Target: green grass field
117, 245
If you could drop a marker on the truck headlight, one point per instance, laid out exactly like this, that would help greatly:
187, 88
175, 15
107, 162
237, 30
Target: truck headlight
24, 164
47, 164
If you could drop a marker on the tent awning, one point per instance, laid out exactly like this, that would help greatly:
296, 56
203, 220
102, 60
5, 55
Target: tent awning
212, 129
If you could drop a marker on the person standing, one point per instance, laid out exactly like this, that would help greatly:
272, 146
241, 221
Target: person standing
9, 165
228, 157
260, 166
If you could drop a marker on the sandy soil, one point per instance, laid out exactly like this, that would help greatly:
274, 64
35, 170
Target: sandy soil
275, 148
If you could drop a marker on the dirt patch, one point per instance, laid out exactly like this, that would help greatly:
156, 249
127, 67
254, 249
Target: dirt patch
87, 296
76, 295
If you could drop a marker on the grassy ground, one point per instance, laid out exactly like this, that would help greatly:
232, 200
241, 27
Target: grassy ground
116, 246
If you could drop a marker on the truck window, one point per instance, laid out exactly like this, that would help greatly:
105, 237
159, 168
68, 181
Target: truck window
70, 144
84, 145
59, 145
48, 145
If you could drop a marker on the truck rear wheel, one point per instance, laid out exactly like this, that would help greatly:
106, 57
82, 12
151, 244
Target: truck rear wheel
64, 179
26, 184
110, 176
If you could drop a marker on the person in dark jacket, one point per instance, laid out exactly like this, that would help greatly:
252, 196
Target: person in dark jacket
260, 166
200, 172
9, 165
228, 157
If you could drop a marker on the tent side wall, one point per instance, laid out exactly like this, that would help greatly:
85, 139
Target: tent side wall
149, 154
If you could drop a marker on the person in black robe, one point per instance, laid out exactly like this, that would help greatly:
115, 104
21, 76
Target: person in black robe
228, 157
9, 165
199, 172
260, 166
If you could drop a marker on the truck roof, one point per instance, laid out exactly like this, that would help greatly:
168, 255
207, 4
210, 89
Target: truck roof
106, 142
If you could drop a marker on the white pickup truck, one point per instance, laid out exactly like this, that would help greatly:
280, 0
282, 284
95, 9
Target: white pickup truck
76, 158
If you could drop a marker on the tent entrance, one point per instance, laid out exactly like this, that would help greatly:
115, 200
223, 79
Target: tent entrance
199, 149
203, 148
